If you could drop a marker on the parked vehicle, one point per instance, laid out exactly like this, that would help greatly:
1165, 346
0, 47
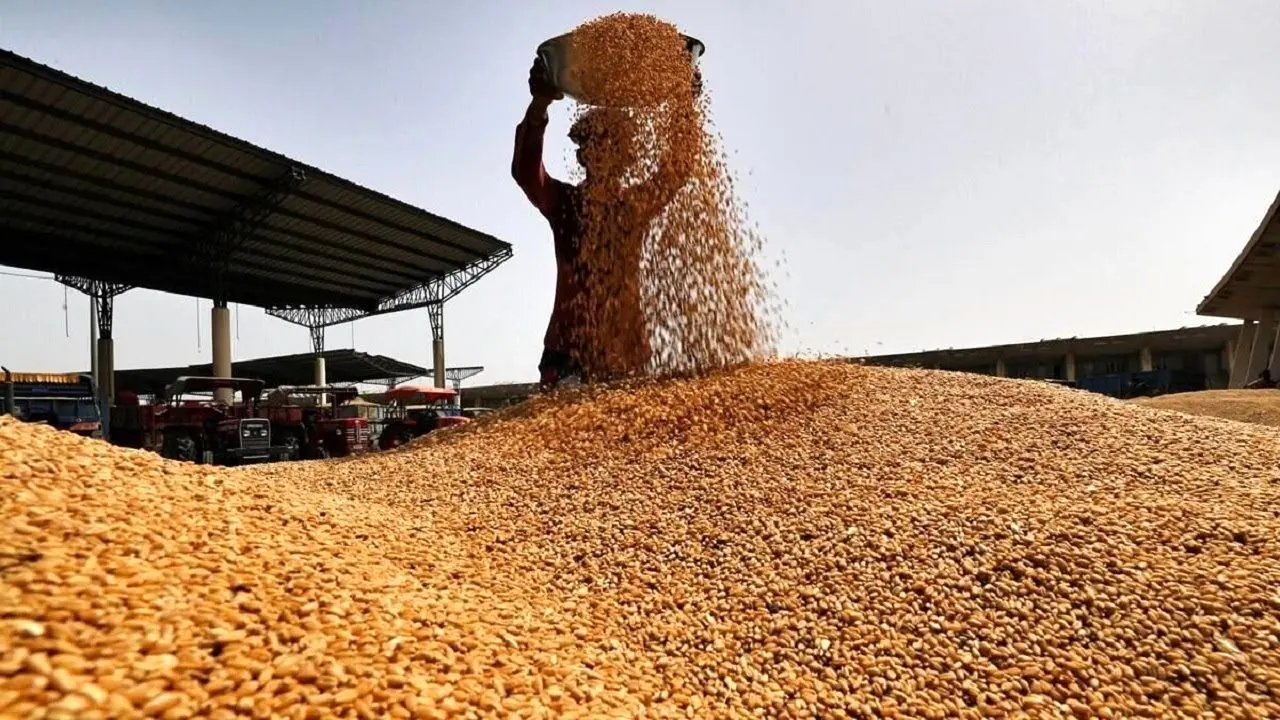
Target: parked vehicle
311, 431
67, 401
207, 431
418, 410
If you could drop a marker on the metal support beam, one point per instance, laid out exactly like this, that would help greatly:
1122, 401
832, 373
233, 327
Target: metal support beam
455, 375
435, 314
314, 317
389, 382
317, 338
446, 287
214, 249
102, 295
103, 292
437, 290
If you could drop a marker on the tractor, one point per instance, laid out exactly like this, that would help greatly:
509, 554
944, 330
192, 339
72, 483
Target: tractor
210, 432
418, 410
310, 431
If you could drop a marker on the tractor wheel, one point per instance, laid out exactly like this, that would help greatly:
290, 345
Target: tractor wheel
294, 444
404, 435
179, 447
394, 436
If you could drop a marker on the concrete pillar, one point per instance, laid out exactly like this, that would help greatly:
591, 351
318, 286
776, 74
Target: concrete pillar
107, 381
1273, 362
220, 322
437, 353
1000, 368
1145, 363
320, 379
1240, 356
1069, 366
435, 312
1260, 353
93, 340
107, 368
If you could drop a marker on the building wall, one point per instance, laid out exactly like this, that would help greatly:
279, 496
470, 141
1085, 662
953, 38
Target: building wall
1214, 363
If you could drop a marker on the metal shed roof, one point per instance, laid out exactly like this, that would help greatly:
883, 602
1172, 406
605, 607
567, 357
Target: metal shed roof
341, 367
1251, 286
97, 185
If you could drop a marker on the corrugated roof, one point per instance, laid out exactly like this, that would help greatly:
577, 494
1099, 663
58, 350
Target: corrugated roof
97, 185
341, 367
1251, 286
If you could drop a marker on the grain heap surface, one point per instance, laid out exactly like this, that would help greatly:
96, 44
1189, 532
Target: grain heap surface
135, 587
1261, 407
832, 540
793, 540
673, 281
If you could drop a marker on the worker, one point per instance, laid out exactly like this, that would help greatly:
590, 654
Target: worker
1263, 381
631, 209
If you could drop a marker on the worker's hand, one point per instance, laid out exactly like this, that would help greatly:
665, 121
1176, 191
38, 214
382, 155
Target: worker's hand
540, 86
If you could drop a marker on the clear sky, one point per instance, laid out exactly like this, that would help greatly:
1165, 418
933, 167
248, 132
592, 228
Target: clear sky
936, 173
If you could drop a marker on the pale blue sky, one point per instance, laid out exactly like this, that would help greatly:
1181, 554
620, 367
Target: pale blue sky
936, 173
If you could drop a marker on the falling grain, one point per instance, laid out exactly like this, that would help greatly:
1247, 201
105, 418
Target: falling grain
674, 284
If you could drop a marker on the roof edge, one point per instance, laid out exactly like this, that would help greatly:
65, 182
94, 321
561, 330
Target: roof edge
1248, 248
1216, 327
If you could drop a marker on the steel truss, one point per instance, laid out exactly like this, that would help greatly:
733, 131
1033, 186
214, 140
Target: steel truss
456, 375
435, 315
105, 292
213, 250
390, 382
432, 294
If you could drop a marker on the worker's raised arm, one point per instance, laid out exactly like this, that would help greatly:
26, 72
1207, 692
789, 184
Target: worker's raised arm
526, 162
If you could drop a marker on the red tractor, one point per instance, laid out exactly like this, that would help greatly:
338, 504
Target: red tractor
204, 430
418, 410
310, 431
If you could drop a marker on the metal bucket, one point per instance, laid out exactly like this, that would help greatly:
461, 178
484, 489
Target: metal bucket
555, 53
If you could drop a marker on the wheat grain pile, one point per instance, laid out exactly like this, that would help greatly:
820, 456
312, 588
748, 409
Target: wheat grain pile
793, 540
1252, 406
131, 586
674, 285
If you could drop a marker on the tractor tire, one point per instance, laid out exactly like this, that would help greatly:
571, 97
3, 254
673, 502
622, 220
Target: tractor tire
394, 435
294, 444
180, 447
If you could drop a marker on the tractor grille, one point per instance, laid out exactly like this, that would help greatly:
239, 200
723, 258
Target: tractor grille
255, 434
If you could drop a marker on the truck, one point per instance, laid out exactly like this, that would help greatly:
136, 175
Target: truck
67, 401
203, 430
